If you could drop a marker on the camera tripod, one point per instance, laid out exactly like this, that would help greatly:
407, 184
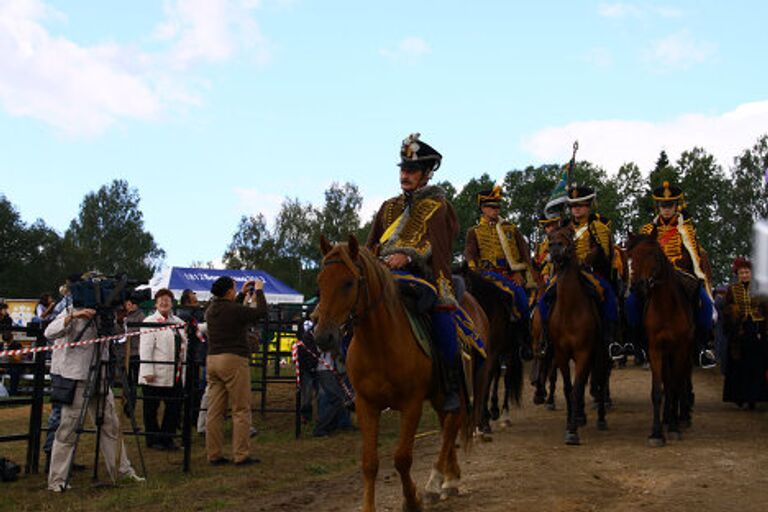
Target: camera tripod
97, 387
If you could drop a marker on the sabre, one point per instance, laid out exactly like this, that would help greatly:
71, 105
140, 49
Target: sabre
572, 163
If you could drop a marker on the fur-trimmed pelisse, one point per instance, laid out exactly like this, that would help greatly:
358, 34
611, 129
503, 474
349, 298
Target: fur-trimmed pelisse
740, 263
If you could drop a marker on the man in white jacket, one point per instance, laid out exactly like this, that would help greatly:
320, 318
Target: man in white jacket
74, 363
161, 373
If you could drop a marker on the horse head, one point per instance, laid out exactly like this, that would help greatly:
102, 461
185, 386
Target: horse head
340, 284
645, 259
561, 248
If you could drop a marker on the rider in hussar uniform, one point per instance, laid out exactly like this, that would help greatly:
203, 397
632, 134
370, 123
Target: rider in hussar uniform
541, 262
413, 234
593, 244
677, 238
498, 251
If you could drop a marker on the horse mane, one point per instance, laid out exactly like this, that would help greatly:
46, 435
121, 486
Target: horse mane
665, 265
372, 271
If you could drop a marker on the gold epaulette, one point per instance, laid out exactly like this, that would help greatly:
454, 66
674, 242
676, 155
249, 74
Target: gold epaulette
647, 229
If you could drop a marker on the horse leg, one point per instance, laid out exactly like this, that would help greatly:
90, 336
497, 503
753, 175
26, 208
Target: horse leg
579, 388
368, 417
434, 486
657, 435
409, 422
571, 430
600, 379
552, 388
508, 386
495, 376
452, 470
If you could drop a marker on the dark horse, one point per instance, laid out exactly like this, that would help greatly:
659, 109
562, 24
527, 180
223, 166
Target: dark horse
574, 331
386, 366
669, 326
503, 348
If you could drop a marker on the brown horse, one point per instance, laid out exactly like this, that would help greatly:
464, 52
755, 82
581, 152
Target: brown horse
574, 331
386, 366
669, 325
503, 345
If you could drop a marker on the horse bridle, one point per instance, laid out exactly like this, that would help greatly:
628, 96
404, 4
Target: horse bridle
353, 318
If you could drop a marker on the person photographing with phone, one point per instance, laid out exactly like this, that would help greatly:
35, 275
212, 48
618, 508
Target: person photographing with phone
228, 372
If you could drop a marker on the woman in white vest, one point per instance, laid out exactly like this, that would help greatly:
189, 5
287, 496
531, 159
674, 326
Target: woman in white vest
161, 373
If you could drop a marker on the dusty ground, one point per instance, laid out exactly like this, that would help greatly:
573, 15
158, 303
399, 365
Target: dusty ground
721, 463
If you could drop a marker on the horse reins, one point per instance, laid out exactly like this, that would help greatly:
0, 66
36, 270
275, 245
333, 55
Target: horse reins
353, 318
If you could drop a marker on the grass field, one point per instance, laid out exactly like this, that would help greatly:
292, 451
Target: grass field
286, 464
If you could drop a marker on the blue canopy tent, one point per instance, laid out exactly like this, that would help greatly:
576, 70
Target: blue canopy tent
177, 279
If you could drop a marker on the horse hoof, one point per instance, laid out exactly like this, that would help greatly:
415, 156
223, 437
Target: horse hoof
602, 425
572, 439
506, 423
430, 498
674, 436
551, 406
486, 438
495, 413
656, 442
450, 489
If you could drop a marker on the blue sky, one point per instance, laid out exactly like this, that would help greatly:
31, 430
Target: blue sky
214, 109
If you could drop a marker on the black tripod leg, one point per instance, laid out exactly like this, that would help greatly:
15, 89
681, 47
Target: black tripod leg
131, 413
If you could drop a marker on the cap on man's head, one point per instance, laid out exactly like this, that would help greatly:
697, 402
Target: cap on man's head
578, 194
221, 286
490, 197
417, 154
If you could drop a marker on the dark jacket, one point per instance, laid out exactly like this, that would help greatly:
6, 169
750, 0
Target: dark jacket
228, 324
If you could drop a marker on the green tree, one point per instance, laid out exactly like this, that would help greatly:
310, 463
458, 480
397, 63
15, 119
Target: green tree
707, 195
630, 187
252, 246
340, 215
109, 234
748, 201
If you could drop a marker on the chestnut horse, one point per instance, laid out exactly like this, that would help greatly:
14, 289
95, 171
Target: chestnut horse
669, 326
386, 366
574, 331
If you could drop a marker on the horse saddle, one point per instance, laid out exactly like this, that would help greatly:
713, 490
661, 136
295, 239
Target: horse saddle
690, 284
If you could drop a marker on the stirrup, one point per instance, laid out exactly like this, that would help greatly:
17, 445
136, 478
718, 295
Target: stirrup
615, 351
707, 359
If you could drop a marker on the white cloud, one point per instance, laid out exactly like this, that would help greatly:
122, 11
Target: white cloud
679, 50
83, 90
621, 10
210, 31
408, 50
611, 143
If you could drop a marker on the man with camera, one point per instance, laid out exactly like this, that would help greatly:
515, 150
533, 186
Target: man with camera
72, 366
228, 371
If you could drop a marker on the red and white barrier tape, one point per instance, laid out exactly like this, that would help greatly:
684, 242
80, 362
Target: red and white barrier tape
58, 346
295, 359
342, 383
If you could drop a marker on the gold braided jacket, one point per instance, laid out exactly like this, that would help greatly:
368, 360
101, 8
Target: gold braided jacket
671, 241
748, 307
483, 248
425, 233
541, 259
584, 242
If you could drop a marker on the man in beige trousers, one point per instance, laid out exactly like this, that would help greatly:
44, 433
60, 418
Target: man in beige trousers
228, 373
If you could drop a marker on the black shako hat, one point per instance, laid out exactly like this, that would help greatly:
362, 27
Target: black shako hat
417, 154
490, 197
667, 193
580, 194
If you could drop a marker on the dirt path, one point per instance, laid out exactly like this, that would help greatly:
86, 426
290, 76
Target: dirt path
721, 463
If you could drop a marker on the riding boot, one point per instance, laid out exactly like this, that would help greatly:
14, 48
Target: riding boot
615, 350
706, 357
452, 375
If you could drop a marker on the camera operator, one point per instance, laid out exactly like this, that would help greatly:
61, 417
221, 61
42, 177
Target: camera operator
162, 382
127, 354
229, 375
73, 365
